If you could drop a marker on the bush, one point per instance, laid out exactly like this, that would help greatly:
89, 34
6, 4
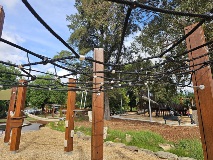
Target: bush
3, 109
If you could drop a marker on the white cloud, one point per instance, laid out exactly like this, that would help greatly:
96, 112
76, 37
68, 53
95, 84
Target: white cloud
20, 27
9, 3
65, 72
9, 53
49, 68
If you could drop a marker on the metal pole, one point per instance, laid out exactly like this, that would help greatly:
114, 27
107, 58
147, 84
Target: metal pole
85, 99
150, 111
121, 103
82, 95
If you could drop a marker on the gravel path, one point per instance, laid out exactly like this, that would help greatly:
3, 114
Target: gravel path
48, 144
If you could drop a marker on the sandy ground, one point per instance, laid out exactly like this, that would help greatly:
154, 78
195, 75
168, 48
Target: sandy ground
47, 144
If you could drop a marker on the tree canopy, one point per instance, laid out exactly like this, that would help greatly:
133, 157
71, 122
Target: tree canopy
39, 97
7, 76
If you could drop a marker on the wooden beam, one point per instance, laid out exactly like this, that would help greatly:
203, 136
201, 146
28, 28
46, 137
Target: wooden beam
17, 119
69, 123
203, 98
97, 107
2, 15
11, 109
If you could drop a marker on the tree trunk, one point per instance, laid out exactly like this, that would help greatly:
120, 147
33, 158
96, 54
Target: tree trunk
106, 107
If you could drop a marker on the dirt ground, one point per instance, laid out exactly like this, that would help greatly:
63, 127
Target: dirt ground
49, 144
172, 133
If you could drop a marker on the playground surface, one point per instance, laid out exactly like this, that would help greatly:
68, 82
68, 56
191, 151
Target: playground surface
49, 144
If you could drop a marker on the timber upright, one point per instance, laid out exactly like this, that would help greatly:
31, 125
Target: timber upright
203, 97
10, 109
97, 107
17, 119
69, 123
2, 15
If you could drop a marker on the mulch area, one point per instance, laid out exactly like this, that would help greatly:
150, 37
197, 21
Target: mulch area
171, 133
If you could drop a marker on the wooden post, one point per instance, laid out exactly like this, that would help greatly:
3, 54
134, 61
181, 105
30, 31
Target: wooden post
17, 119
69, 123
2, 15
11, 109
97, 108
203, 98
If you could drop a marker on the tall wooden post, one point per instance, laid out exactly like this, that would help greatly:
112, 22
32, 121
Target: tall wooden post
17, 120
2, 15
97, 108
69, 123
203, 98
11, 109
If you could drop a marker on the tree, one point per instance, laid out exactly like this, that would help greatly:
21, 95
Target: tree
7, 77
118, 100
40, 97
163, 30
90, 29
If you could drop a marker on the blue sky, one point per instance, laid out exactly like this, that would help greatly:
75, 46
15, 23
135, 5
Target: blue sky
22, 28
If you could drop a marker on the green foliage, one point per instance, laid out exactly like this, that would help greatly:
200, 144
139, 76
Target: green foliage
38, 98
7, 75
189, 148
8, 79
115, 97
90, 29
3, 108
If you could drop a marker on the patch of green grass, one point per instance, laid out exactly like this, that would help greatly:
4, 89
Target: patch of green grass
141, 139
3, 120
189, 148
85, 130
59, 126
30, 119
113, 134
147, 140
